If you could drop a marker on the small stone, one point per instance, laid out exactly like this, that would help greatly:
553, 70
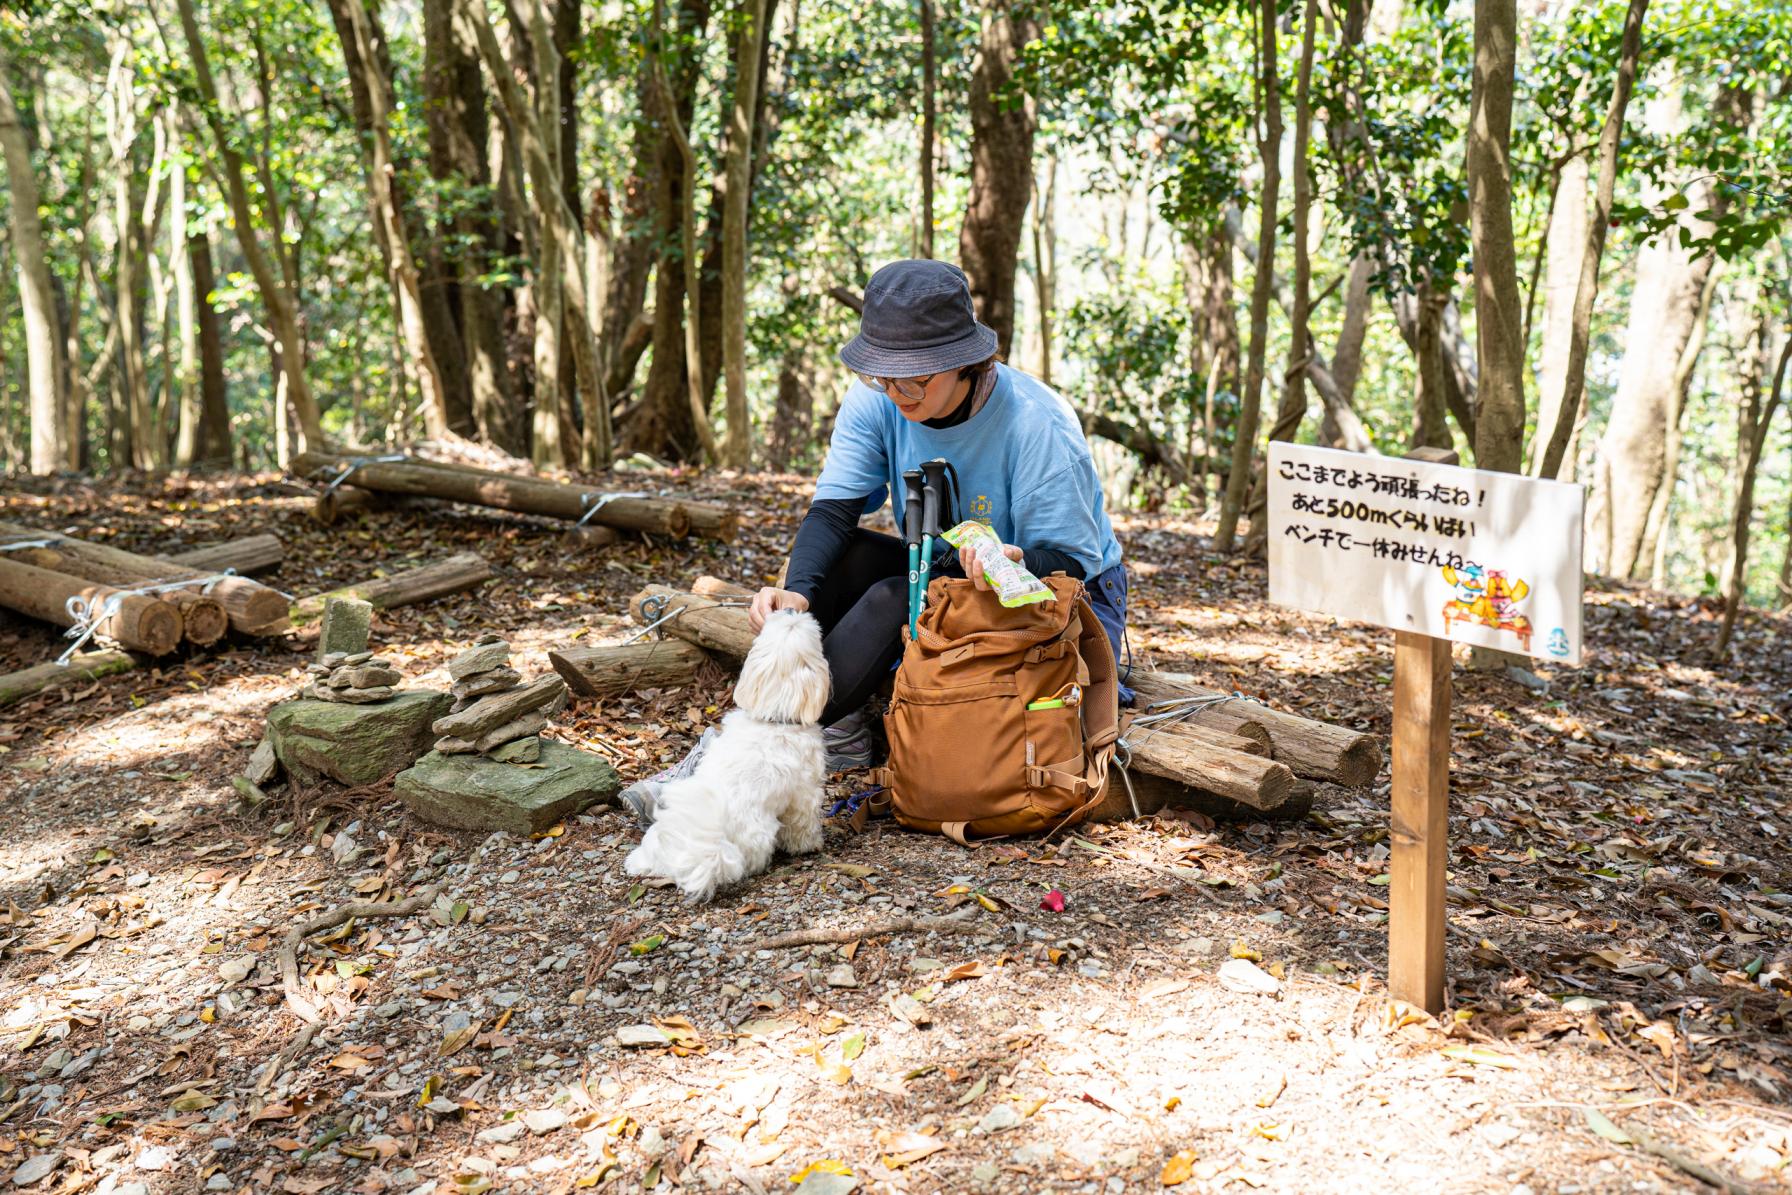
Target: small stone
488, 637
80, 1065
155, 1157
641, 1035
1242, 975
482, 658
218, 1182
545, 1120
368, 677
264, 765
501, 1134
346, 625
236, 970
1002, 1116
843, 976
35, 1169
523, 750
527, 726
356, 696
360, 657
58, 1059
343, 849
332, 660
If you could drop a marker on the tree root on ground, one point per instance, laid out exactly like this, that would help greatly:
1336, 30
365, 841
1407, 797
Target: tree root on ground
296, 1000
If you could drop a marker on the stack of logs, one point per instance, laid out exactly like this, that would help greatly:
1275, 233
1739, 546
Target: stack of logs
1220, 753
606, 514
41, 580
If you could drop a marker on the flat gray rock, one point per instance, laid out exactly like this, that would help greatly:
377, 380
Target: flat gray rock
349, 696
472, 792
367, 676
346, 625
483, 658
489, 713
263, 764
353, 744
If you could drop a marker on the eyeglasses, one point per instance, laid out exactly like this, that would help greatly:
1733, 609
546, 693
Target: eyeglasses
909, 388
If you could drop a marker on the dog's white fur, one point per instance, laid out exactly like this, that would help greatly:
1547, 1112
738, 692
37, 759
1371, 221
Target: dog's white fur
759, 786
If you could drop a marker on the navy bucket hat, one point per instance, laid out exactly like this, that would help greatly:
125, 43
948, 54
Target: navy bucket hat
918, 320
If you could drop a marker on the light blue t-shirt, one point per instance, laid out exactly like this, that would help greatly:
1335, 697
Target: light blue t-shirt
1023, 466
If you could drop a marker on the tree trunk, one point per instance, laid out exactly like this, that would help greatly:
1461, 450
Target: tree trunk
129, 198
1499, 312
1561, 422
371, 85
43, 333
1269, 148
1565, 246
1293, 407
1347, 352
15, 686
794, 410
750, 60
454, 111
1757, 421
1001, 168
929, 76
1664, 310
280, 300
1431, 427
1045, 263
1656, 535
213, 442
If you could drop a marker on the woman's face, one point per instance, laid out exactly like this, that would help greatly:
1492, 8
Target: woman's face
940, 396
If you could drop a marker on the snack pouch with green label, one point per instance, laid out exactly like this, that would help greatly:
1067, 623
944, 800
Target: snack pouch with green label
1014, 585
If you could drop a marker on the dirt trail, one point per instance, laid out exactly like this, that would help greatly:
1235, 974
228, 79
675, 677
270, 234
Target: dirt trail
1618, 945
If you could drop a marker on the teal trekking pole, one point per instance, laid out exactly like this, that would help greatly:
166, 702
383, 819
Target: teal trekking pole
911, 532
933, 482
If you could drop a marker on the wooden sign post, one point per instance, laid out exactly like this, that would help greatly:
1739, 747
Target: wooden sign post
1418, 546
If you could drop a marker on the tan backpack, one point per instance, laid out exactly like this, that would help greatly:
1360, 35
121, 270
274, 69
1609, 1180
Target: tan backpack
1003, 721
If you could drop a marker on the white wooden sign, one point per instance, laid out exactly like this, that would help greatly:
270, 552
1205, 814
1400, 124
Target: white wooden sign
1492, 559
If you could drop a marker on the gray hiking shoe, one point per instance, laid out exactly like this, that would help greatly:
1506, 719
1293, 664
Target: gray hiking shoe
848, 742
642, 797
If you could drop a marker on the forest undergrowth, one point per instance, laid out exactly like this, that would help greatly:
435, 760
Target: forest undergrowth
1618, 961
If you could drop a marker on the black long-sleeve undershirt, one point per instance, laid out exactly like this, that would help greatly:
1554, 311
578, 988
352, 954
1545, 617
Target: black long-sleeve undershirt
831, 522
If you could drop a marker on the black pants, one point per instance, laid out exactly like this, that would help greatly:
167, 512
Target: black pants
861, 606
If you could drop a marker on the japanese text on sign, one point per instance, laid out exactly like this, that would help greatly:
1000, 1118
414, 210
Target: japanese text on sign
1486, 558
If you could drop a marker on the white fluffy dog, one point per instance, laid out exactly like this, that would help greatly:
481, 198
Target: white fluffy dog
759, 786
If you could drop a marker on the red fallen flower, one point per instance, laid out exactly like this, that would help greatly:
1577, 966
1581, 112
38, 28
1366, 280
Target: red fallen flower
1053, 902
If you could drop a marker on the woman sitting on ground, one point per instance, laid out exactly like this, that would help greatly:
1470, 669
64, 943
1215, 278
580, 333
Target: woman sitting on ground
930, 387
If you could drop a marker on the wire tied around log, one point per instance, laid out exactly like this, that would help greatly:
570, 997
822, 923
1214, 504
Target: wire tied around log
596, 502
1177, 709
89, 614
354, 463
653, 609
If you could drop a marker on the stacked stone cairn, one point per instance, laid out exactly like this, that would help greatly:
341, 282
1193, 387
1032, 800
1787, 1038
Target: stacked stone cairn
357, 678
494, 713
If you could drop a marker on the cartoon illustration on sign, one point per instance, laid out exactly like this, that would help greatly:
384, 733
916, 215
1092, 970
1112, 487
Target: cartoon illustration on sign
1485, 597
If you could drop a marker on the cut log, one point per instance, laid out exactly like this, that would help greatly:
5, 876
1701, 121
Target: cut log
623, 668
250, 554
721, 629
709, 521
203, 620
1155, 794
15, 686
715, 587
1215, 738
254, 609
139, 622
1232, 717
1169, 751
333, 504
1317, 750
527, 495
466, 571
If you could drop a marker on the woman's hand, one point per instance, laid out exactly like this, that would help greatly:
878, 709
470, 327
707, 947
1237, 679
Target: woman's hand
973, 568
770, 599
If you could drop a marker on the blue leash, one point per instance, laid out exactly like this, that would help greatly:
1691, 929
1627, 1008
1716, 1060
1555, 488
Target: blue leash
850, 805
